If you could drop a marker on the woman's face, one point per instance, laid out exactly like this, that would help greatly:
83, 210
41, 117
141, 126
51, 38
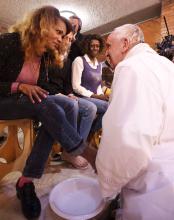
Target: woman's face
66, 43
94, 48
55, 35
75, 23
68, 39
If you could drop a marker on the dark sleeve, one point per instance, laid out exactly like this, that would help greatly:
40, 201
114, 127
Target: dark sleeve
67, 77
58, 80
76, 49
52, 82
6, 45
49, 86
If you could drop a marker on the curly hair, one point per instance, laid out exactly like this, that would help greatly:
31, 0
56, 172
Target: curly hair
87, 41
34, 28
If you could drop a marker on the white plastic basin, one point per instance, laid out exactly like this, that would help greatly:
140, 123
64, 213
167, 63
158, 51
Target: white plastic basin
77, 198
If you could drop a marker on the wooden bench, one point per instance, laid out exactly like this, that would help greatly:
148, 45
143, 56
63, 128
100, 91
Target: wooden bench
12, 154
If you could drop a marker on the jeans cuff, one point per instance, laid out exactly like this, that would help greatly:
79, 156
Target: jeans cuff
78, 149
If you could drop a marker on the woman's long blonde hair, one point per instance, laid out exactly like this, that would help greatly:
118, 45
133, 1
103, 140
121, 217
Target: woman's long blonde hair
34, 28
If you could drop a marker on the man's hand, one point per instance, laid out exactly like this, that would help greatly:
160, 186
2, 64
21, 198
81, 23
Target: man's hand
102, 97
35, 93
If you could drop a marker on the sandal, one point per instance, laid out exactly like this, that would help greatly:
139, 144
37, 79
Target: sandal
78, 162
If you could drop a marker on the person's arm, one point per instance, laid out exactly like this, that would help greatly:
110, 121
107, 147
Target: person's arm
77, 69
54, 83
99, 90
100, 94
34, 93
131, 127
7, 45
67, 73
10, 52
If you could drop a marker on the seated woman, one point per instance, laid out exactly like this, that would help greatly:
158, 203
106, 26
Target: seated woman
25, 54
87, 77
60, 84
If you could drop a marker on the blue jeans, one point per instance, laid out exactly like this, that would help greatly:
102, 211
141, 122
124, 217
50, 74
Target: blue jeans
55, 126
84, 114
65, 102
101, 109
87, 114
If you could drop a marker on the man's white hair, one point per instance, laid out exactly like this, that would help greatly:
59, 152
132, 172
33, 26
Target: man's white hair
130, 31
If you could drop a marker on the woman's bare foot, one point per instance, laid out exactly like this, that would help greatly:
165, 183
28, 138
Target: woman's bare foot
90, 153
78, 162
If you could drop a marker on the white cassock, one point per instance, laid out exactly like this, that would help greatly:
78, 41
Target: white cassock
136, 153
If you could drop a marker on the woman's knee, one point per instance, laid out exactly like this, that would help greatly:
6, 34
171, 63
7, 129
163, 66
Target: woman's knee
105, 105
88, 108
71, 107
64, 102
92, 108
73, 103
49, 107
102, 106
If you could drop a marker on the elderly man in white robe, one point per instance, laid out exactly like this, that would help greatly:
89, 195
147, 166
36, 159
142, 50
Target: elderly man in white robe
136, 153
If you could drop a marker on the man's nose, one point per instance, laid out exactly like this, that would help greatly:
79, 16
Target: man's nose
106, 53
59, 38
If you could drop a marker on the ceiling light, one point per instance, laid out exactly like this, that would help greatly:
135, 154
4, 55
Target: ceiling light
67, 14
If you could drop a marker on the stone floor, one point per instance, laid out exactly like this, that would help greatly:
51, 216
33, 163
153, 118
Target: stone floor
10, 205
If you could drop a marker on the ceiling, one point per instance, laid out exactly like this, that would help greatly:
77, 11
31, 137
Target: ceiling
98, 16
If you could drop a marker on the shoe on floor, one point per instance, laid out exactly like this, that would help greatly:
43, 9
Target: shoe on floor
56, 159
56, 156
30, 203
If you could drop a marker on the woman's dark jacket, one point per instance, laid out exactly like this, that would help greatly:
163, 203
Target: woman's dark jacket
60, 78
76, 48
11, 62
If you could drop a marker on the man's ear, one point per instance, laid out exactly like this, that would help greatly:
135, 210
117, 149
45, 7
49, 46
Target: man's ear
125, 45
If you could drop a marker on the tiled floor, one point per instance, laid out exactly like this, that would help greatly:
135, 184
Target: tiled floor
10, 205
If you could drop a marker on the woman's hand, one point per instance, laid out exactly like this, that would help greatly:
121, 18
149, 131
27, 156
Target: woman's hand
72, 96
35, 93
102, 97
